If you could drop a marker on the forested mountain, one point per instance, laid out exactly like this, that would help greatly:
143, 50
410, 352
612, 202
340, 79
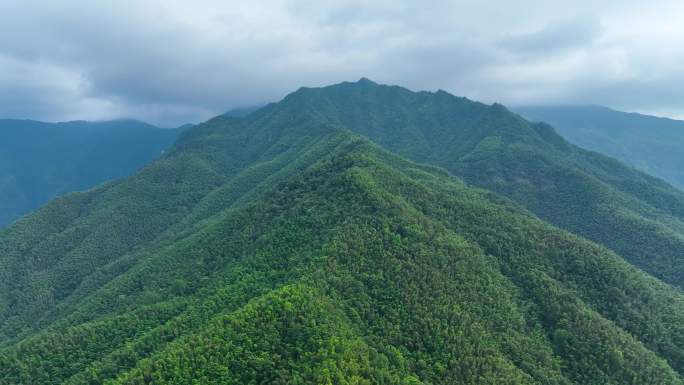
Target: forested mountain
651, 144
592, 195
283, 247
40, 161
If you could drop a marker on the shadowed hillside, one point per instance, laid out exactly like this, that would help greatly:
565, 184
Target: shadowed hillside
41, 161
651, 144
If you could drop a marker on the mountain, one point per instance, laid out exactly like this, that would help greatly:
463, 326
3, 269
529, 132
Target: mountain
651, 144
242, 111
638, 216
40, 161
283, 247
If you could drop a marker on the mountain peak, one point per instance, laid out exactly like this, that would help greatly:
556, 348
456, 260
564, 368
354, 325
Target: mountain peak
366, 82
296, 228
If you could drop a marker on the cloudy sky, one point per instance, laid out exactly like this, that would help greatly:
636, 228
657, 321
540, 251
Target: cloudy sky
170, 61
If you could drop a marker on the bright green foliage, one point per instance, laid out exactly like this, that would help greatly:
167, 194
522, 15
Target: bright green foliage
280, 248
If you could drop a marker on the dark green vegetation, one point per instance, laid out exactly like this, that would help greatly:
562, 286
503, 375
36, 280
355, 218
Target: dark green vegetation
40, 161
654, 145
597, 197
282, 248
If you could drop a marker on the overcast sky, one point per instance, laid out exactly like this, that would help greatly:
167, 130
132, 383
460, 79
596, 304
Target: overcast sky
170, 61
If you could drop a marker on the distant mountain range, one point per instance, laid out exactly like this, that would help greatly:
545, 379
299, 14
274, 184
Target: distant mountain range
651, 144
353, 234
40, 161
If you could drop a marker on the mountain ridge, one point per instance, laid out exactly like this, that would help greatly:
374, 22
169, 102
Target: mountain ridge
283, 247
490, 147
649, 143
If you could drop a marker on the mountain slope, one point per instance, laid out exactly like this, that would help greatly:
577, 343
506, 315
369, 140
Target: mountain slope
636, 215
651, 144
365, 268
282, 248
40, 161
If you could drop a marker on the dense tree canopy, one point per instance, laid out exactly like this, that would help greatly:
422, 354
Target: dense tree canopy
281, 247
638, 216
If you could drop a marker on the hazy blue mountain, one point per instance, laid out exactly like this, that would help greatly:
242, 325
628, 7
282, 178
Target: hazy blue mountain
242, 111
40, 161
651, 144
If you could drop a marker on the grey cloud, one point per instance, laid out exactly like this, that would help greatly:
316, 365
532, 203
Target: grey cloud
577, 33
170, 62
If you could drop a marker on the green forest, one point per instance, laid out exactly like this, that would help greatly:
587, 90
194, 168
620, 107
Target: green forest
353, 234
